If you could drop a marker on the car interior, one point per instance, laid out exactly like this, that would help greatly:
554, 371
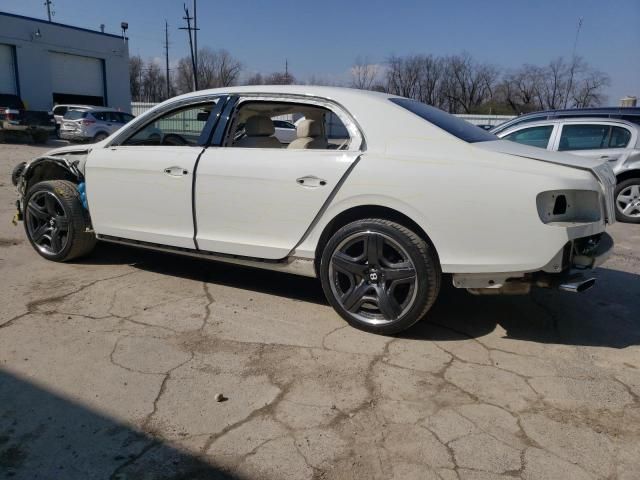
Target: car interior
254, 126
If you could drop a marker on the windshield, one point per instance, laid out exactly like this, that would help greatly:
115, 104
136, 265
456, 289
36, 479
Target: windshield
455, 126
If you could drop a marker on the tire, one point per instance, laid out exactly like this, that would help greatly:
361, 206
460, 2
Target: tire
627, 194
40, 137
394, 293
55, 221
99, 137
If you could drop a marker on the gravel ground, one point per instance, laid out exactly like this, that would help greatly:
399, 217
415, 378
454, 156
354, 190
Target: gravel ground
110, 367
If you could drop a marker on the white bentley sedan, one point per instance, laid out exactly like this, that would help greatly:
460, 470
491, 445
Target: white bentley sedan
378, 196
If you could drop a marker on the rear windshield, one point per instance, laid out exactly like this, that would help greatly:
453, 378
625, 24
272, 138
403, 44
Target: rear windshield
74, 114
449, 123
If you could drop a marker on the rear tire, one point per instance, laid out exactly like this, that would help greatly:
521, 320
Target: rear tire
56, 223
99, 137
627, 196
379, 276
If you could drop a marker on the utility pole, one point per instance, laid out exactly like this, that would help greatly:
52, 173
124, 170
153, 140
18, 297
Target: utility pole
195, 34
573, 63
48, 4
166, 56
189, 29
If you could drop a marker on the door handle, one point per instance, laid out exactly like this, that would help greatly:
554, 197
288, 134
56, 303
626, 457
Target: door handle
311, 181
176, 171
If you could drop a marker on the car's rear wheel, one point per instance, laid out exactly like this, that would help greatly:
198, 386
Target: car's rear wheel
628, 201
57, 224
99, 137
379, 275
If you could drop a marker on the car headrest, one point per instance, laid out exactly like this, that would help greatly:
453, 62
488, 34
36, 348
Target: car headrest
308, 128
259, 126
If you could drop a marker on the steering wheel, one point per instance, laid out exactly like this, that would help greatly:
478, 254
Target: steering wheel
174, 140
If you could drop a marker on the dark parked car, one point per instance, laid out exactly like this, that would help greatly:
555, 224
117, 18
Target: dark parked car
630, 114
15, 121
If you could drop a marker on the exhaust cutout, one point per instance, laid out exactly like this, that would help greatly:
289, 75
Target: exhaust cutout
577, 286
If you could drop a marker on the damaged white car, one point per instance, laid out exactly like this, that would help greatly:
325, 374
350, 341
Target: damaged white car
378, 196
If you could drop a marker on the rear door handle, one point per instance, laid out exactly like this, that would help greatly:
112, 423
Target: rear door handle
311, 181
176, 171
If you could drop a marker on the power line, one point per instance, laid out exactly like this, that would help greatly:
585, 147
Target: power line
190, 29
573, 62
166, 56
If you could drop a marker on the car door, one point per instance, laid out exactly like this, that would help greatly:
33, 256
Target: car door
140, 186
600, 140
258, 202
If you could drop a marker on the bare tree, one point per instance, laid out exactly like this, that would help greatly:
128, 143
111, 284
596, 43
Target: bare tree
279, 78
255, 79
216, 68
363, 74
468, 84
136, 66
154, 86
587, 91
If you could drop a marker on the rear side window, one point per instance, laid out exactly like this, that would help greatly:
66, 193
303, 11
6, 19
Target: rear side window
533, 136
593, 137
619, 138
450, 124
74, 115
102, 116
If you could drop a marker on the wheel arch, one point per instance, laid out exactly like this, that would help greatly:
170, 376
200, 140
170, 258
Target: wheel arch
627, 174
360, 212
48, 168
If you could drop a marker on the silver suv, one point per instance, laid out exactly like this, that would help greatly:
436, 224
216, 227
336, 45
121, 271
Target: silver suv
93, 124
616, 141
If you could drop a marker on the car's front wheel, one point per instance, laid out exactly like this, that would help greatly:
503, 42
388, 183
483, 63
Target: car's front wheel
57, 224
99, 137
628, 201
379, 275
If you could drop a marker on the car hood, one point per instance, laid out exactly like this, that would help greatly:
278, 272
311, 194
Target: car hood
535, 153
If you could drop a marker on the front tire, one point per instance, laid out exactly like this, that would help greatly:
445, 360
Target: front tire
56, 223
379, 275
627, 199
99, 137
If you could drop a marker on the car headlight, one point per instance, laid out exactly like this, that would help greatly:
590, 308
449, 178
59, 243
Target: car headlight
569, 206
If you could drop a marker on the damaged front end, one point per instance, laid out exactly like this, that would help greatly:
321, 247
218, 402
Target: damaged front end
56, 165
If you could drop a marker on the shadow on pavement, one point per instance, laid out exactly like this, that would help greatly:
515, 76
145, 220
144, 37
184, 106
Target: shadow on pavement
606, 316
43, 435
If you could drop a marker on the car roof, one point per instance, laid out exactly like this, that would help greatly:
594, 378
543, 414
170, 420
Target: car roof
549, 121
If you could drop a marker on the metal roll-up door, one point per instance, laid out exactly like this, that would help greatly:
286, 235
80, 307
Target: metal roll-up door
77, 79
7, 71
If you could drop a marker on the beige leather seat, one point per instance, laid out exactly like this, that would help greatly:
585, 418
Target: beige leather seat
258, 131
309, 136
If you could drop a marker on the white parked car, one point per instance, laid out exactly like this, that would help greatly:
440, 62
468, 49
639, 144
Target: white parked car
413, 193
605, 139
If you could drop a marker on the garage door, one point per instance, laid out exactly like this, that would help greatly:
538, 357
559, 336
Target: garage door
7, 73
77, 79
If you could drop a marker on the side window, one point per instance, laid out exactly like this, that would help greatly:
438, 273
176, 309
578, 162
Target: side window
620, 137
290, 125
59, 110
180, 127
584, 137
102, 116
534, 136
114, 117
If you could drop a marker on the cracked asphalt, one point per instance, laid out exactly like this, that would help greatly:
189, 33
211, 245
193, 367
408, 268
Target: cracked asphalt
109, 369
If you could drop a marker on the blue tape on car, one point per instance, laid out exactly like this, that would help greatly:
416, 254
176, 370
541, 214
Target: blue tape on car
83, 195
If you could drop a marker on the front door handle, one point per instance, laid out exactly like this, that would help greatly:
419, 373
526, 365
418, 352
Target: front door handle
176, 171
311, 181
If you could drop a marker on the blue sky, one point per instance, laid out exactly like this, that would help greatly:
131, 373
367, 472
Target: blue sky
323, 38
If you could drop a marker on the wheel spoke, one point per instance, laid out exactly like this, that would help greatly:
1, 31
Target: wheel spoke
56, 241
400, 271
347, 264
50, 205
62, 223
36, 211
628, 209
353, 298
40, 232
387, 304
374, 245
635, 190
